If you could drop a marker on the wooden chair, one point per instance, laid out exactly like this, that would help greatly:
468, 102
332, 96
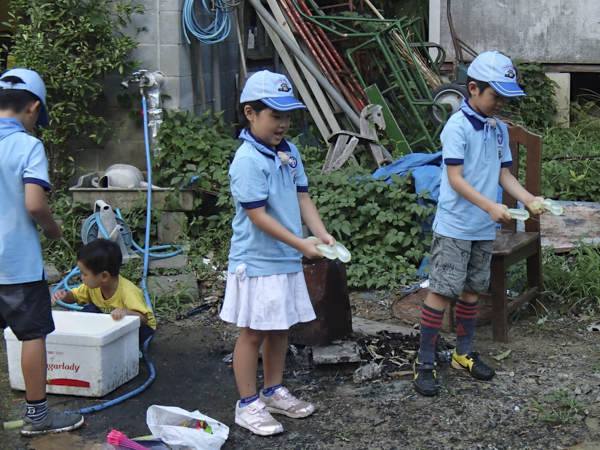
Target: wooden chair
512, 246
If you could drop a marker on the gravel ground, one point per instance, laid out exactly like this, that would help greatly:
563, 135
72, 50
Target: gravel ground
545, 396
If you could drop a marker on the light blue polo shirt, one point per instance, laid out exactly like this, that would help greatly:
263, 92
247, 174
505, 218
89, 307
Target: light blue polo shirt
468, 139
22, 161
258, 178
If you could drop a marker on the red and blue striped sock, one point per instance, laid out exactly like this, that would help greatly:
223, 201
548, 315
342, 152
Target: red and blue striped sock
431, 323
466, 316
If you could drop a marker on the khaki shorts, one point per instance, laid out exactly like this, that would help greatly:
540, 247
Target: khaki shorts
456, 265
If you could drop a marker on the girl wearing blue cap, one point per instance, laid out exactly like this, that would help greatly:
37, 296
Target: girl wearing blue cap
266, 293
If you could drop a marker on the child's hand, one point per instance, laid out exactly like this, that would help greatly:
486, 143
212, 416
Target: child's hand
327, 239
308, 248
118, 314
58, 295
56, 232
539, 210
499, 213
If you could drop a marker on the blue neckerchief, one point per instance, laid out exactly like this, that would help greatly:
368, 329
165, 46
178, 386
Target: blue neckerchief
477, 120
283, 146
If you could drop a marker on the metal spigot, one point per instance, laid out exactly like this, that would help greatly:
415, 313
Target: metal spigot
138, 76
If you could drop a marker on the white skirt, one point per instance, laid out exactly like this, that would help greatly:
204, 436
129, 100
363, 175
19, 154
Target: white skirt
273, 302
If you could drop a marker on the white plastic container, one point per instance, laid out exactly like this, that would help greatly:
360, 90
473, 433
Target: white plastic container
88, 355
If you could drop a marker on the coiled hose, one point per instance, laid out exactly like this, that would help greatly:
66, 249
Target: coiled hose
216, 32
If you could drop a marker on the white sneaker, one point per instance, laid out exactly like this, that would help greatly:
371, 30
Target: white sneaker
256, 418
282, 402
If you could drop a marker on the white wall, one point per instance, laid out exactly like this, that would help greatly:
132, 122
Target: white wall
545, 31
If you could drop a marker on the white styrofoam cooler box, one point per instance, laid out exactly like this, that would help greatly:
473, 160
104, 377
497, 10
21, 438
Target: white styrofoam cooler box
88, 354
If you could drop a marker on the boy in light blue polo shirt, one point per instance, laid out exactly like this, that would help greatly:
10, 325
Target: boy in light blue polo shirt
476, 158
24, 295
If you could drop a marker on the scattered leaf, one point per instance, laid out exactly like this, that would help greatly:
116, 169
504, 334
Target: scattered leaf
501, 356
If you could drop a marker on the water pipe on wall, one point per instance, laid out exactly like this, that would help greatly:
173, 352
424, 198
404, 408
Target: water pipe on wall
151, 86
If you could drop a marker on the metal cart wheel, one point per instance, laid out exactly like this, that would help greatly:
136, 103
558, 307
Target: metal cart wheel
450, 95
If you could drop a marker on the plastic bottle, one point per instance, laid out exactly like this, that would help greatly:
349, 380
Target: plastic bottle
519, 214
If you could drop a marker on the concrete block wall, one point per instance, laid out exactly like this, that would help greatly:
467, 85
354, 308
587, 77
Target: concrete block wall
162, 46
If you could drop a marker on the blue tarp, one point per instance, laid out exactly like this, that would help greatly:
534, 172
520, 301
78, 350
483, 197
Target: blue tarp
427, 173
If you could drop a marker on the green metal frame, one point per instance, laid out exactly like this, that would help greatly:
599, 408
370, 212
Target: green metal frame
405, 86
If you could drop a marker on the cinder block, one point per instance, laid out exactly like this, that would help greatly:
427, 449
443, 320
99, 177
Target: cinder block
148, 54
148, 21
186, 53
170, 60
170, 5
176, 262
170, 28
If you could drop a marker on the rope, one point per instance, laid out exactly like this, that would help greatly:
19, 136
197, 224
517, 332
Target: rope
219, 28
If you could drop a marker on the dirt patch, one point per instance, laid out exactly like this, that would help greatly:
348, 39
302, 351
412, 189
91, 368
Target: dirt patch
556, 359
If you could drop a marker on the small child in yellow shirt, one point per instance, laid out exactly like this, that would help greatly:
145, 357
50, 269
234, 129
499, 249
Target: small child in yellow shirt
104, 290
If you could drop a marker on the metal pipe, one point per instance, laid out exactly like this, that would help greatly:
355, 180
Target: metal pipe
327, 87
216, 79
350, 81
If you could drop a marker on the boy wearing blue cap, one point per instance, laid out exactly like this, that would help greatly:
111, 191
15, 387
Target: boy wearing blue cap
24, 295
476, 158
266, 293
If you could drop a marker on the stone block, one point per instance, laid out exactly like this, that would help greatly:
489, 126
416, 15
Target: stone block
52, 274
562, 97
178, 262
170, 227
372, 327
180, 285
344, 352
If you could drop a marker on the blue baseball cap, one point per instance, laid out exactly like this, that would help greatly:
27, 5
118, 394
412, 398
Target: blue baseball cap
33, 83
497, 70
273, 89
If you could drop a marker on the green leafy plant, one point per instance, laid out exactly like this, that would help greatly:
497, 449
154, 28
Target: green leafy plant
557, 408
63, 252
378, 223
571, 277
571, 160
73, 45
200, 146
538, 109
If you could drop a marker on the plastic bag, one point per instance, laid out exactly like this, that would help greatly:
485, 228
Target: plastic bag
166, 423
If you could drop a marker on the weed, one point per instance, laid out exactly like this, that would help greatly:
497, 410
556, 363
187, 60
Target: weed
560, 408
174, 301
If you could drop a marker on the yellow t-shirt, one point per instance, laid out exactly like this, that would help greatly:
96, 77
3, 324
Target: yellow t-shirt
127, 296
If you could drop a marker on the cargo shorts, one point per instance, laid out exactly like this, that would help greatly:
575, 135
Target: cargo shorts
456, 265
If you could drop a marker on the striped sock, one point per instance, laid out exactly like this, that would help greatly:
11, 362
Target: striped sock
248, 400
466, 315
431, 323
269, 391
37, 410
